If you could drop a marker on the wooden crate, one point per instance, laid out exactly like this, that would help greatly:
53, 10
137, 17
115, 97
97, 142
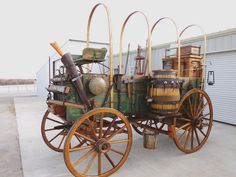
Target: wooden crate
190, 65
190, 50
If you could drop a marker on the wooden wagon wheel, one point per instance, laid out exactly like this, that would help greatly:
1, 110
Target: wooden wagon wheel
54, 130
193, 128
110, 138
139, 125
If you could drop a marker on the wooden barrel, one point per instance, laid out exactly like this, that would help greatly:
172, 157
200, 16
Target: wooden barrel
165, 91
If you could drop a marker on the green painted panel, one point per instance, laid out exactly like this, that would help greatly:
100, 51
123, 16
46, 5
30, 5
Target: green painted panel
136, 103
73, 113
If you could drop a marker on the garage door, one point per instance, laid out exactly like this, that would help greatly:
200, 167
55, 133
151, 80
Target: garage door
223, 93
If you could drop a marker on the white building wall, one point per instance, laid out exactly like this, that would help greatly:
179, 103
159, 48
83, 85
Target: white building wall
222, 93
42, 77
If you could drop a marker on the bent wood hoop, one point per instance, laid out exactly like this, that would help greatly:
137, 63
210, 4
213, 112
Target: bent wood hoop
110, 42
149, 41
177, 37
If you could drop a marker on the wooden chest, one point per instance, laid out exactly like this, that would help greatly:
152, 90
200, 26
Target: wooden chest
190, 50
184, 50
190, 65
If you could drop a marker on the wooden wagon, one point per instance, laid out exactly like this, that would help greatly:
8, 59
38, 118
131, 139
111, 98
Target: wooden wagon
90, 116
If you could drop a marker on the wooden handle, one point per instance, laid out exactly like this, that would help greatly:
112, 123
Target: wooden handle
57, 48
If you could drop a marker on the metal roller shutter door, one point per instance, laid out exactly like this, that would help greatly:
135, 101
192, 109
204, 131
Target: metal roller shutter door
223, 93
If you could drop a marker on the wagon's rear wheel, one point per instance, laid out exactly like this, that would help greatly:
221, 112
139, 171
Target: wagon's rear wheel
110, 138
193, 128
54, 130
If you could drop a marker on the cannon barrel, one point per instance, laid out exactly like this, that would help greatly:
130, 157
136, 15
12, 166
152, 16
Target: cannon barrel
72, 71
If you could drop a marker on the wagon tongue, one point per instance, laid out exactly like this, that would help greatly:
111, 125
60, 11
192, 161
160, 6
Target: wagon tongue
71, 68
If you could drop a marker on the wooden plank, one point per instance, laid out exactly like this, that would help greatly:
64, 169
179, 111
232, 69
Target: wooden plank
61, 103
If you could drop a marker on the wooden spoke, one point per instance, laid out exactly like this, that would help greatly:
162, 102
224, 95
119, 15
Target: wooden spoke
117, 132
190, 106
183, 126
78, 138
55, 121
182, 135
99, 163
81, 148
203, 116
92, 129
192, 138
156, 126
162, 125
55, 136
61, 141
109, 128
186, 112
80, 144
150, 123
109, 159
101, 125
118, 141
195, 103
205, 124
147, 122
90, 163
201, 132
186, 140
85, 137
198, 141
50, 129
200, 103
202, 109
84, 157
184, 119
116, 151
118, 128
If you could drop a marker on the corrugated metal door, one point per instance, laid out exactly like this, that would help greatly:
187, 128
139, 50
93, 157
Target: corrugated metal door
223, 93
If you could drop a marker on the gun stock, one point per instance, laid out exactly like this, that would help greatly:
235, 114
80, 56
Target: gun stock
57, 48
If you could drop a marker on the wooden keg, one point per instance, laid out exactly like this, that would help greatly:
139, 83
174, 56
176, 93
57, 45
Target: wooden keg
165, 91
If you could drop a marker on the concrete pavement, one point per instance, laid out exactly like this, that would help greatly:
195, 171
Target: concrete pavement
216, 159
10, 161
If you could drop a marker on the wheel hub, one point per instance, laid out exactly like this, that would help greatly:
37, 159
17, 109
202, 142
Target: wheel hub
102, 146
195, 121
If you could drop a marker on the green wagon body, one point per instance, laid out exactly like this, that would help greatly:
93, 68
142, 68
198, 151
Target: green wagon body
130, 104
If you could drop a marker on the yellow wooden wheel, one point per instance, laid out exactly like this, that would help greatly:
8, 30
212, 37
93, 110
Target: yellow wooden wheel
108, 142
193, 128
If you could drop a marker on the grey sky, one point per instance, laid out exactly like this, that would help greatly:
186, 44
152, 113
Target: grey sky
28, 26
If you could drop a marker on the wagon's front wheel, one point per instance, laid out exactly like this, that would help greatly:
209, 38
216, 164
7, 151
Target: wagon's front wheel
109, 139
192, 129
